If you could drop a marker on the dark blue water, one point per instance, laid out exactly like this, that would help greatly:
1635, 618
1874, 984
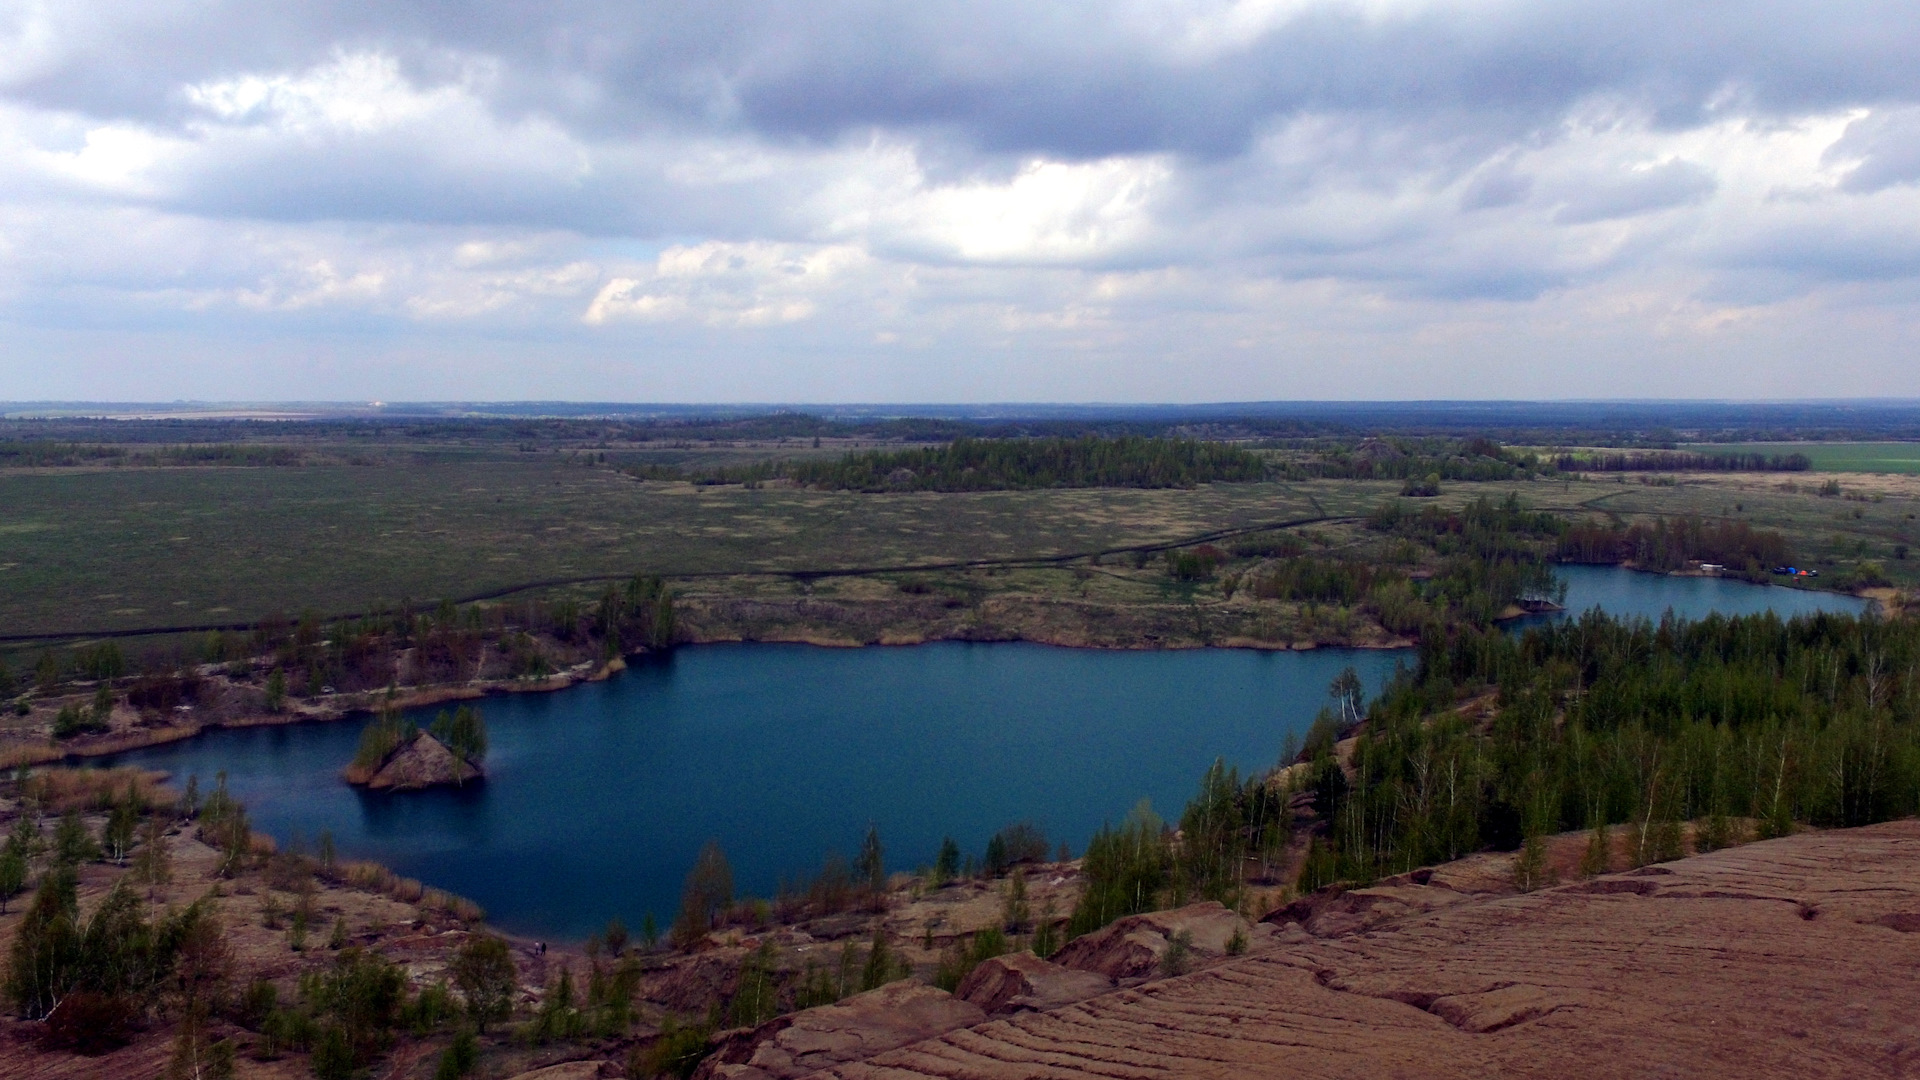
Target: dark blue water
599, 797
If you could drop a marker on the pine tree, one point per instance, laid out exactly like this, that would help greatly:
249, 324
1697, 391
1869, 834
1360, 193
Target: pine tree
1014, 912
871, 864
946, 866
72, 843
707, 894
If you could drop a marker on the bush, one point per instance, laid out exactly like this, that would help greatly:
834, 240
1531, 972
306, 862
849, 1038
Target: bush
464, 733
483, 972
378, 740
72, 719
333, 1057
1194, 564
962, 959
460, 1057
362, 998
1178, 954
676, 1052
1021, 842
1424, 487
90, 1023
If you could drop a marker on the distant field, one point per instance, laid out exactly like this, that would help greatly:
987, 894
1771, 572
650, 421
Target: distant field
125, 548
140, 548
1868, 457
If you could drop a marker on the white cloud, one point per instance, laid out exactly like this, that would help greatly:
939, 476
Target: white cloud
1048, 211
1116, 189
722, 284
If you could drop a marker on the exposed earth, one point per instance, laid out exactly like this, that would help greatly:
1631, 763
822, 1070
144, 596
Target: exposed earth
1792, 957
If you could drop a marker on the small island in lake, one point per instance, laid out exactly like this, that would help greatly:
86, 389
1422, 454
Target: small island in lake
395, 755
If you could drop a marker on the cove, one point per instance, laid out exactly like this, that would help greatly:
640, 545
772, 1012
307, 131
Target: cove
600, 796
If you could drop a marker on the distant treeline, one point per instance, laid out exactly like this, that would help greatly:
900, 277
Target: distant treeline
557, 425
1675, 461
1407, 458
985, 465
46, 454
1600, 722
1003, 464
404, 646
1671, 543
1493, 555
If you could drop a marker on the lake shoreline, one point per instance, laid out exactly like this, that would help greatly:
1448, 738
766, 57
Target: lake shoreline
698, 631
362, 705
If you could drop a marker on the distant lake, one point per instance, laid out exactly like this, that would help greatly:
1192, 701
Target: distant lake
1628, 592
599, 797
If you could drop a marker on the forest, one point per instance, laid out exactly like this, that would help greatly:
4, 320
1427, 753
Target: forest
968, 464
1674, 461
1495, 739
1668, 544
280, 658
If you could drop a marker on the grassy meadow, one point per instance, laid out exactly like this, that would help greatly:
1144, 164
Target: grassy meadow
132, 548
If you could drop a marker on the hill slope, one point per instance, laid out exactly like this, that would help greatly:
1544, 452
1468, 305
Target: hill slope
1794, 957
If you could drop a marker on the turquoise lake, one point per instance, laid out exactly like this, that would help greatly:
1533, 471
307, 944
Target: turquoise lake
599, 797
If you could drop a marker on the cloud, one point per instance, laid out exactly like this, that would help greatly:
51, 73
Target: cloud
1640, 191
1106, 187
1879, 150
739, 285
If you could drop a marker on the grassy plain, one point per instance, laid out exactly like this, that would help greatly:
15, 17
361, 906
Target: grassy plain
1859, 457
122, 548
126, 548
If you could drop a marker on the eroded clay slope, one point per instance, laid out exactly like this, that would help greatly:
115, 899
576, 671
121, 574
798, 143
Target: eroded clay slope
1791, 958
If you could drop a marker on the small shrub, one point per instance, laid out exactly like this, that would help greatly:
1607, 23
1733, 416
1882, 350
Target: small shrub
1178, 955
460, 1057
676, 1052
961, 959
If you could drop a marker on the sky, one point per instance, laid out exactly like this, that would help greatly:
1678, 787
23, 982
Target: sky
856, 200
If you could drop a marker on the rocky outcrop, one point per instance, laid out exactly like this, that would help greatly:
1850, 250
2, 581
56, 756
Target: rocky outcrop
853, 1030
423, 762
1134, 947
1788, 958
1022, 980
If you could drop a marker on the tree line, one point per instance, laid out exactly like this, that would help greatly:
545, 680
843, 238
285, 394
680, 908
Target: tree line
1597, 722
16, 453
970, 464
284, 658
1671, 543
1680, 461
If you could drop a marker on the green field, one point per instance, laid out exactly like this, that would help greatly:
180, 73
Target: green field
127, 548
84, 549
1866, 457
